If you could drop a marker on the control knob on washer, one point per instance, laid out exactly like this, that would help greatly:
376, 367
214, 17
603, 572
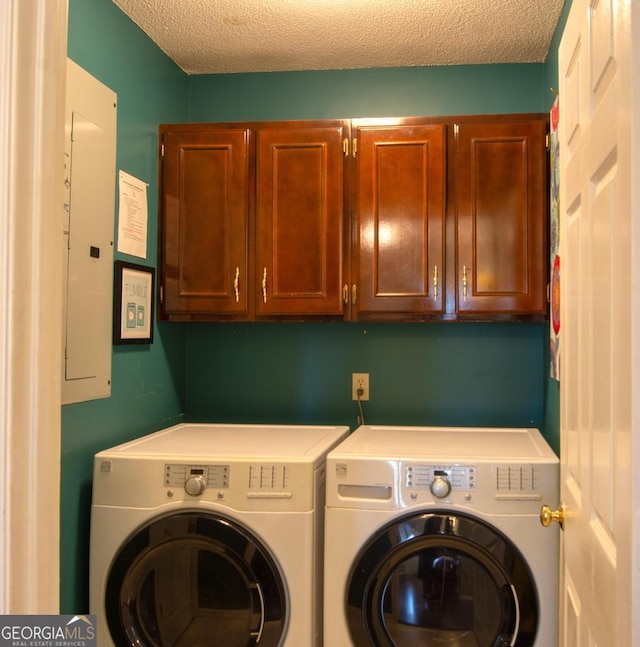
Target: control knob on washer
194, 485
440, 487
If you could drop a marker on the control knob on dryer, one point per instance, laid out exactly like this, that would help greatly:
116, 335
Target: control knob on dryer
440, 487
194, 485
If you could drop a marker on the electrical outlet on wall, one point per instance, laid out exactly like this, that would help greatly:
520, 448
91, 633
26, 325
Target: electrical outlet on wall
360, 381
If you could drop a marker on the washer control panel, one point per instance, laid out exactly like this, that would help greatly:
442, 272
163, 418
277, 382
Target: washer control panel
196, 478
440, 480
261, 480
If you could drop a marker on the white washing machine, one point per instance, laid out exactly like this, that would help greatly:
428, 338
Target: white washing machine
433, 537
210, 535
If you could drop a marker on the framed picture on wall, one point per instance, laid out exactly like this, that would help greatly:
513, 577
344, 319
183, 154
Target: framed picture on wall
133, 290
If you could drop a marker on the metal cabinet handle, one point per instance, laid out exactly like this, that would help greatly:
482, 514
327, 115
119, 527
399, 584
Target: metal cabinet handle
236, 284
435, 281
354, 294
464, 282
264, 285
345, 294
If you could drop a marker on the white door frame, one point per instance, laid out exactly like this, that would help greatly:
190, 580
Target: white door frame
634, 117
33, 46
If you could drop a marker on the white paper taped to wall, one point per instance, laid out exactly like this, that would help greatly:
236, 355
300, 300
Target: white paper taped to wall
132, 215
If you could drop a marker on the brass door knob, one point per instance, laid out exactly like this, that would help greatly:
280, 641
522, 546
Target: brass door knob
547, 516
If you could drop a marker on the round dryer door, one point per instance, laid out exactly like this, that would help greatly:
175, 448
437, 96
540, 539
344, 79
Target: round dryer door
194, 579
441, 579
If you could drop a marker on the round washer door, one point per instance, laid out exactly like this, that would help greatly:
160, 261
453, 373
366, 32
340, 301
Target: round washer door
194, 579
441, 579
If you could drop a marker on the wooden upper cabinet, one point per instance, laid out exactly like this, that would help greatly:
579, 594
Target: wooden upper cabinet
405, 219
204, 224
400, 214
299, 219
501, 216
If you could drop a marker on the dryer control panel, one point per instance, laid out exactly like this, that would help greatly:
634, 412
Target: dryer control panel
440, 479
489, 486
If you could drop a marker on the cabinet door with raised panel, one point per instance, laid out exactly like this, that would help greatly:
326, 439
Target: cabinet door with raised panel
501, 217
299, 219
399, 248
204, 223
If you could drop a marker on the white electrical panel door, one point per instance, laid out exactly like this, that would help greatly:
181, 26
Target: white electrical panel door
90, 179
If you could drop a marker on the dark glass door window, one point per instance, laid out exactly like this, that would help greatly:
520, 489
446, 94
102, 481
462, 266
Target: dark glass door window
440, 579
195, 579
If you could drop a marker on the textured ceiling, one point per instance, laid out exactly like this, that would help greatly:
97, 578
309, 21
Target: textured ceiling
226, 36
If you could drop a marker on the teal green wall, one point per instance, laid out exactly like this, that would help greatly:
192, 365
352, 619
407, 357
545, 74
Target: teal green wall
468, 374
428, 374
147, 381
390, 92
551, 83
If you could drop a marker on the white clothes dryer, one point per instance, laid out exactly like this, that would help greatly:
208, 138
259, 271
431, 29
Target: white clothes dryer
433, 537
206, 534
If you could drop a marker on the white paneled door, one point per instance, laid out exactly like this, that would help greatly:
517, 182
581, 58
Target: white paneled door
598, 311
